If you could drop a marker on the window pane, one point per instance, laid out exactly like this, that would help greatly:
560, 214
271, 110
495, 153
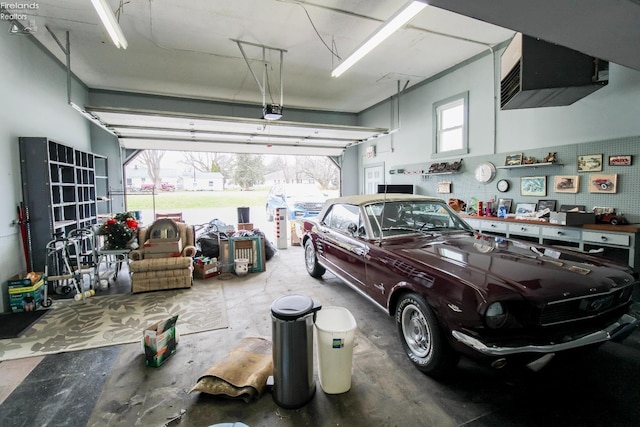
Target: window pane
451, 140
452, 117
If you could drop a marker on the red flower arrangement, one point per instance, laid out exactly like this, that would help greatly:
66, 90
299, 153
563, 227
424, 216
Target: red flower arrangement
119, 230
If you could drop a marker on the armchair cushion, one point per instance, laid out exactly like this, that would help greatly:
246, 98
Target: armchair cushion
149, 274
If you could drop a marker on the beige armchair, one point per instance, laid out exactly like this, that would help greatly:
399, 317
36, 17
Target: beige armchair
155, 271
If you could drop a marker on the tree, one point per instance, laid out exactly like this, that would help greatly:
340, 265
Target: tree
249, 170
209, 162
321, 169
151, 160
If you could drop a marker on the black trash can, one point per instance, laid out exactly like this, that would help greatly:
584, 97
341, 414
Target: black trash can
243, 215
292, 318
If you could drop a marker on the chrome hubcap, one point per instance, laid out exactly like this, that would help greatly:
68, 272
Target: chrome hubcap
416, 331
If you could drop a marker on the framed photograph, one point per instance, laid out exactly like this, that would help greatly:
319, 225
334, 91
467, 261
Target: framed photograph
513, 160
544, 204
603, 183
506, 203
590, 163
566, 183
525, 208
444, 187
620, 160
533, 186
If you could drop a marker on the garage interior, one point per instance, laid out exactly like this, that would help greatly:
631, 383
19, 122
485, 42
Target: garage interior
202, 77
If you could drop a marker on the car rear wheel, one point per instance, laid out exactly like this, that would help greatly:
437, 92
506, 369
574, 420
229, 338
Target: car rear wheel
422, 338
311, 260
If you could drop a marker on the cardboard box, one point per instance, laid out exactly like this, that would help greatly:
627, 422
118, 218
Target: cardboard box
571, 218
163, 246
160, 342
205, 271
24, 295
245, 226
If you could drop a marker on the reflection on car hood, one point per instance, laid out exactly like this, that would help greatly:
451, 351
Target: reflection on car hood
535, 271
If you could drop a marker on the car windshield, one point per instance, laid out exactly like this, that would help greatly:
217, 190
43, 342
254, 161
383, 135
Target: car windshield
404, 217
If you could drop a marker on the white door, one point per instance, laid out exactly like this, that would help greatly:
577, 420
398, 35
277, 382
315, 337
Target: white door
373, 175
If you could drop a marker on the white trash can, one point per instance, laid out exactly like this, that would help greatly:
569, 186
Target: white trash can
335, 328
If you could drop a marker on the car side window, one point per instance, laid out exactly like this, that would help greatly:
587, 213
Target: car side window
341, 216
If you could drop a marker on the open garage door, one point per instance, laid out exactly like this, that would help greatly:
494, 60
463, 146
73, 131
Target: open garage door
156, 130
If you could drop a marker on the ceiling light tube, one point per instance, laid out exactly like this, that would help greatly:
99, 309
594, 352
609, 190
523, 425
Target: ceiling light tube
110, 23
401, 17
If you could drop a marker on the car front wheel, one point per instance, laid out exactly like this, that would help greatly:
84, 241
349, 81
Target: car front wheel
311, 260
422, 338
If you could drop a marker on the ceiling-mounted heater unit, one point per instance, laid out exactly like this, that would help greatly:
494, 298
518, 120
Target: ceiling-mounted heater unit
272, 112
535, 73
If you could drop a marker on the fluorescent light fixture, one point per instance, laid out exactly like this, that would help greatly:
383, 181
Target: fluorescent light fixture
401, 17
110, 23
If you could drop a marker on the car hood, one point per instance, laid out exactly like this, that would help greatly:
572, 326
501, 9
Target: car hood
306, 199
532, 270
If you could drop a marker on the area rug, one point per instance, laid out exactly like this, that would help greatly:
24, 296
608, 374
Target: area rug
117, 319
12, 325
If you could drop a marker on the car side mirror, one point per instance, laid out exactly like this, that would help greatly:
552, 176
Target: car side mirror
352, 228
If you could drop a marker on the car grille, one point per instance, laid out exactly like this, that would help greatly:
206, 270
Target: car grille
584, 308
311, 206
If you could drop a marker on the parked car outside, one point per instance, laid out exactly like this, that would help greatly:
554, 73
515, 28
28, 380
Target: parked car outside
301, 200
453, 291
150, 186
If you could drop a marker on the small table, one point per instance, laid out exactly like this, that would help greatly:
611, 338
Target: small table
110, 257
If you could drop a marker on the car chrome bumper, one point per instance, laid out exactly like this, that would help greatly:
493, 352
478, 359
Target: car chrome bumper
616, 331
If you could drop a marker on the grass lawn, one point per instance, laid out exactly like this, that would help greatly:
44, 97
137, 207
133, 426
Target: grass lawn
195, 199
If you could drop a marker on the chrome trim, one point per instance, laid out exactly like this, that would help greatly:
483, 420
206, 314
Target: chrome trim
624, 323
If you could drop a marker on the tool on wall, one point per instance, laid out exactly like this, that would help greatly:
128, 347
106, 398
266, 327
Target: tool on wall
25, 233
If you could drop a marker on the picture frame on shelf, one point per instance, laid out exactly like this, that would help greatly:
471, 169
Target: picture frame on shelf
506, 203
544, 204
566, 183
525, 208
624, 160
603, 183
513, 160
589, 162
533, 186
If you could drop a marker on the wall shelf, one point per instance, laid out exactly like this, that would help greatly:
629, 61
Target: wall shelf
440, 173
531, 165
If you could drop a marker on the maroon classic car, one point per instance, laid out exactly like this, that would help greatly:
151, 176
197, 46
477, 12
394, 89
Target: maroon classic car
454, 291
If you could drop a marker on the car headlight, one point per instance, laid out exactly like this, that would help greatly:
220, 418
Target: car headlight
496, 315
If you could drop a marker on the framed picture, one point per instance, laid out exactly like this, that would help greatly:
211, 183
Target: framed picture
544, 204
506, 203
525, 208
603, 183
513, 160
566, 183
620, 160
533, 186
444, 187
590, 163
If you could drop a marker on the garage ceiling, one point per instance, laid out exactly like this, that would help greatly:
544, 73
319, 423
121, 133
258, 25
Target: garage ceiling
186, 49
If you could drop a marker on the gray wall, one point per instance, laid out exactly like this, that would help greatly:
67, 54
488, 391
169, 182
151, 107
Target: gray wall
33, 103
605, 122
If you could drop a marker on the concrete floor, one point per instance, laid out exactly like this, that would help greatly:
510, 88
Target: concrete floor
112, 387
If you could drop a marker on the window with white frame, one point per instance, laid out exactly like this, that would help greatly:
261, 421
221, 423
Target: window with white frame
451, 119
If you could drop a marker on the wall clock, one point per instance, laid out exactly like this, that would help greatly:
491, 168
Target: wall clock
503, 185
485, 172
